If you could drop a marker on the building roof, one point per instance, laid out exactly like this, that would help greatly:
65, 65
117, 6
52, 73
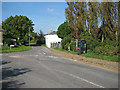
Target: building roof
52, 33
1, 28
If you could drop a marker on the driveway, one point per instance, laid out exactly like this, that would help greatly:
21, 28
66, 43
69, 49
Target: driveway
40, 68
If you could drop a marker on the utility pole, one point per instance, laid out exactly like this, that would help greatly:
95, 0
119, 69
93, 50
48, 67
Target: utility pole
76, 33
29, 36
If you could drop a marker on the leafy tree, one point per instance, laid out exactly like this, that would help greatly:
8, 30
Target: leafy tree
63, 30
41, 39
109, 18
18, 28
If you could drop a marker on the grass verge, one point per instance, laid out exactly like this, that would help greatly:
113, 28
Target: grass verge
43, 45
93, 55
6, 49
103, 57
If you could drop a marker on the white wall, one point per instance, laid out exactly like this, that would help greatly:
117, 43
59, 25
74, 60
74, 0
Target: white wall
51, 39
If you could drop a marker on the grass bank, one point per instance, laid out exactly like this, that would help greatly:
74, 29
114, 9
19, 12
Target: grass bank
6, 49
93, 55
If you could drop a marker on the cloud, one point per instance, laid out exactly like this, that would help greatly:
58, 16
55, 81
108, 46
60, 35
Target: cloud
50, 10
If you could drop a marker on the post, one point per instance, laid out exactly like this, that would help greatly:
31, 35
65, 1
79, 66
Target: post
76, 33
29, 36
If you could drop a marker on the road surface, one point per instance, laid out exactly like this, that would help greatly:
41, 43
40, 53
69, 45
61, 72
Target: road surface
40, 68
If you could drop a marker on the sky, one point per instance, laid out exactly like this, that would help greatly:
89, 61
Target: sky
45, 15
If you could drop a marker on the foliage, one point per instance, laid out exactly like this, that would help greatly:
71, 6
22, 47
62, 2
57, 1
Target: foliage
91, 42
17, 28
97, 23
72, 46
94, 55
8, 41
63, 30
41, 39
65, 42
108, 50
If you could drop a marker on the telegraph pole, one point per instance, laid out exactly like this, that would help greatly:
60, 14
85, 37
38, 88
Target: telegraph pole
29, 36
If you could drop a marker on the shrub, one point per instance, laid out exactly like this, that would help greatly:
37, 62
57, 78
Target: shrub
91, 42
66, 46
108, 50
73, 46
8, 42
65, 41
40, 41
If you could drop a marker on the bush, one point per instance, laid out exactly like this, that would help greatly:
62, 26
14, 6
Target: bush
65, 41
110, 42
108, 50
73, 46
8, 42
92, 43
40, 41
66, 46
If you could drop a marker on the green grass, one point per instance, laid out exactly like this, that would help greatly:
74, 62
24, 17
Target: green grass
6, 49
93, 55
103, 57
43, 45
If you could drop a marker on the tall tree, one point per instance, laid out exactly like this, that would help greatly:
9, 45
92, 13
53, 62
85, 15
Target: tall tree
17, 27
93, 12
109, 18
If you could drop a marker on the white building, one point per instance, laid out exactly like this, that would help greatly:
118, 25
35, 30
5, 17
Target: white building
52, 38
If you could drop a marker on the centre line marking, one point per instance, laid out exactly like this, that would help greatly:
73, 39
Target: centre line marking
81, 79
44, 53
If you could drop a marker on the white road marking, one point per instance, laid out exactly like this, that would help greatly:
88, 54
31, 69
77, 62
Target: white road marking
18, 56
81, 79
72, 76
36, 55
15, 56
44, 53
52, 56
75, 60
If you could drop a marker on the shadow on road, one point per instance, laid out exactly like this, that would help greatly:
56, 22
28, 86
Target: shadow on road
31, 45
4, 62
8, 73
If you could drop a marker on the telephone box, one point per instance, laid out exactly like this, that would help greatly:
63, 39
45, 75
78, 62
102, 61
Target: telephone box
82, 47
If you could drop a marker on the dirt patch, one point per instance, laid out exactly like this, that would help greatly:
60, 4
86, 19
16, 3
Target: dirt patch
98, 62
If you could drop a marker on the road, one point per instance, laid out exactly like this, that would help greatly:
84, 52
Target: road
40, 68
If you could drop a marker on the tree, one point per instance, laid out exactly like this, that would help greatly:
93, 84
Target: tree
63, 30
18, 28
41, 39
109, 18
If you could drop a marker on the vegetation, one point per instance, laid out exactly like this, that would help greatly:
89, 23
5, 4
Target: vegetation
41, 39
93, 55
63, 30
7, 49
95, 22
18, 28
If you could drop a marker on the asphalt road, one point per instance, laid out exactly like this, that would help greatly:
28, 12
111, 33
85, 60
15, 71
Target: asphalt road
39, 68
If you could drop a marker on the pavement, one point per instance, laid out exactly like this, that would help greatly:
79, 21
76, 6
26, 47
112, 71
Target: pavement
40, 68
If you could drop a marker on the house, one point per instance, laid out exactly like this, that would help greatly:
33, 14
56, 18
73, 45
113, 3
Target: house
52, 38
1, 35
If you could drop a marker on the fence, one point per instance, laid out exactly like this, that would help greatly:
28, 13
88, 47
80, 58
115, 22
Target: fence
56, 45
